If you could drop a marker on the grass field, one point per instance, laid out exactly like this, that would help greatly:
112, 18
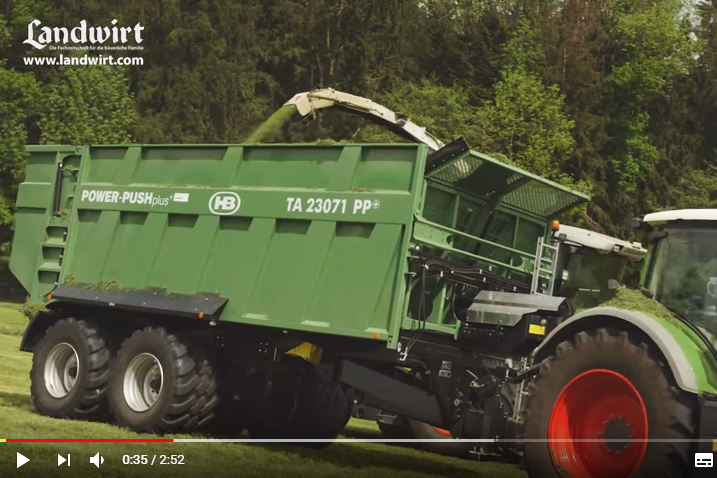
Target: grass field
355, 460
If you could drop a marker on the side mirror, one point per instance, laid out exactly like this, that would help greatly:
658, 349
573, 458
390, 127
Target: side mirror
655, 236
636, 223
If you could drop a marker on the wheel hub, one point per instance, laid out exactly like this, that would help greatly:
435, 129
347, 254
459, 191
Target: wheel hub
616, 434
143, 382
598, 427
61, 369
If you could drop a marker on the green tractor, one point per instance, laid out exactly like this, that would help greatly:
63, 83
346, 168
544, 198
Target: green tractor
631, 391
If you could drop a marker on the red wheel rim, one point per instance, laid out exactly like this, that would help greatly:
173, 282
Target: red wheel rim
443, 432
598, 427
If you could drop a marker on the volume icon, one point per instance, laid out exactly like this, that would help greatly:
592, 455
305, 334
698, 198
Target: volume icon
97, 460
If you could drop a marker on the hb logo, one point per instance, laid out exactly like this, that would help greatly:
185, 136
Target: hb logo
224, 203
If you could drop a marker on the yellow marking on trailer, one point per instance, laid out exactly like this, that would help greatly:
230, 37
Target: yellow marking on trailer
535, 329
309, 352
714, 445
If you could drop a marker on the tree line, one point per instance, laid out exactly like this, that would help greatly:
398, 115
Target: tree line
616, 97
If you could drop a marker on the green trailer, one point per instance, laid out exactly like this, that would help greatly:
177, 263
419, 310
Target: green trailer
268, 286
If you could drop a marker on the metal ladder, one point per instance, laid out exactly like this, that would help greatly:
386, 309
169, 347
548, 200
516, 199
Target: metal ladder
553, 251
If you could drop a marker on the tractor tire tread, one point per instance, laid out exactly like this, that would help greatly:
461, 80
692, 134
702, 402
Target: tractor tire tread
670, 411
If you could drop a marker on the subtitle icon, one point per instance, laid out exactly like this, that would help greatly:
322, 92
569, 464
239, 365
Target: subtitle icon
703, 460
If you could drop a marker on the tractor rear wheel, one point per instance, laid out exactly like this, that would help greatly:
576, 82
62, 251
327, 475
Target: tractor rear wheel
597, 406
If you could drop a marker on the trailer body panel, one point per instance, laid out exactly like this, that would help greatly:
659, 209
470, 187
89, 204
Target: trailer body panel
300, 237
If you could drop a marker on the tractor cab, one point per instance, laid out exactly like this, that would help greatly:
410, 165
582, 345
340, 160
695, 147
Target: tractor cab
593, 265
681, 272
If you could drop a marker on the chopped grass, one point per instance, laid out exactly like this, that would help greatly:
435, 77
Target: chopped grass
269, 127
18, 419
632, 299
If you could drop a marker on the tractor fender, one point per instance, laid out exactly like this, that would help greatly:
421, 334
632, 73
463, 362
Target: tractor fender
683, 352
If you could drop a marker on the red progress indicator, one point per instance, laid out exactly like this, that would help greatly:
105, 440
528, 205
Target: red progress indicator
86, 440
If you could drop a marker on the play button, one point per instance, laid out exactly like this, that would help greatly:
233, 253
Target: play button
21, 460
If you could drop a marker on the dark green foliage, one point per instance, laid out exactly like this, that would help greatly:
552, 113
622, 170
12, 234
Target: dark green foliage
618, 97
90, 104
18, 100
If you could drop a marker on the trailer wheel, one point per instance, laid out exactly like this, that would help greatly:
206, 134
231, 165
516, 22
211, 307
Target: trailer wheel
157, 387
349, 414
314, 408
70, 371
229, 416
274, 412
607, 387
322, 409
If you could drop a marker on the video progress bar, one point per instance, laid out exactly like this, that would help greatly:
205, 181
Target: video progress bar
86, 440
337, 440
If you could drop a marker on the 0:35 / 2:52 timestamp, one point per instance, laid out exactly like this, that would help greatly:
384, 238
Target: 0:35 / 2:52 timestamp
152, 459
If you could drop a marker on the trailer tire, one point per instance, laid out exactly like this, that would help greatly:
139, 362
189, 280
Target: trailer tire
186, 395
68, 344
619, 391
229, 416
322, 410
319, 413
203, 412
349, 414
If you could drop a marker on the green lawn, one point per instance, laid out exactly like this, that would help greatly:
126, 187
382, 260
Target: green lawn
355, 460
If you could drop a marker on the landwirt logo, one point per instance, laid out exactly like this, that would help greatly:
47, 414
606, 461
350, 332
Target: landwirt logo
84, 37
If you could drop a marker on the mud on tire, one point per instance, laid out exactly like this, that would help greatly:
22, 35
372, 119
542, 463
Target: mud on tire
70, 372
157, 387
667, 412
